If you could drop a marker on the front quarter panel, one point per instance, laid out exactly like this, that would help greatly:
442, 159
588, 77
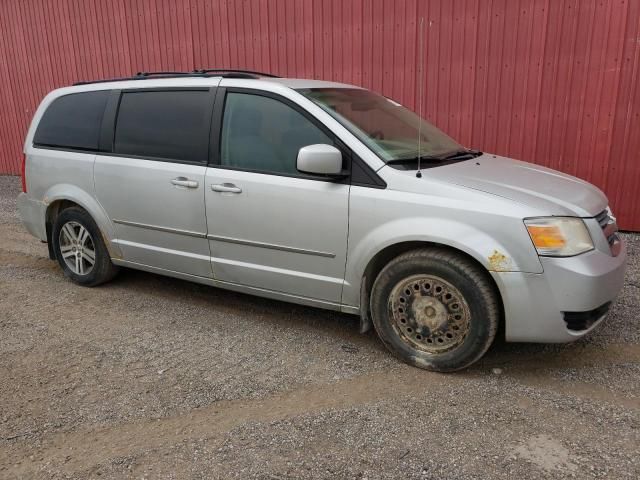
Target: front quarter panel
484, 226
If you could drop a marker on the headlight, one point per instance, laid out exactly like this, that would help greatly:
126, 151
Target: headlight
559, 236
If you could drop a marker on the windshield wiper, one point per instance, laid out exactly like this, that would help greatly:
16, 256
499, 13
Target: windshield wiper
423, 158
462, 153
431, 159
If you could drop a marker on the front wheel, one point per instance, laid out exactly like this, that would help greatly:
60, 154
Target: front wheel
80, 249
435, 309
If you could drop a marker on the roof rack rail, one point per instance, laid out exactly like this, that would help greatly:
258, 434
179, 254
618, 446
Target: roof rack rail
145, 76
233, 70
223, 72
148, 74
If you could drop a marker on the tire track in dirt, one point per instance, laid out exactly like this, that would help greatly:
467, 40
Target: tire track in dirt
73, 451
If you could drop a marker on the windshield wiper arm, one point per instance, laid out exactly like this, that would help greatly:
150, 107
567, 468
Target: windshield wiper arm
459, 154
423, 158
462, 153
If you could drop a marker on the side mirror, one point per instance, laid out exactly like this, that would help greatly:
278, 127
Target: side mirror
320, 160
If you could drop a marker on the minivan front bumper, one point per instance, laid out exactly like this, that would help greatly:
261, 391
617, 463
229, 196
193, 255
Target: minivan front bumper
32, 214
541, 307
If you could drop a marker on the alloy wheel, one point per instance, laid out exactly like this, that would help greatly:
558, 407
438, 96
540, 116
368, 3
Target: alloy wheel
77, 248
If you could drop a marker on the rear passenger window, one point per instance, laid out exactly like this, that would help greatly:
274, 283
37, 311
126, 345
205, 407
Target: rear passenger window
264, 134
73, 121
170, 125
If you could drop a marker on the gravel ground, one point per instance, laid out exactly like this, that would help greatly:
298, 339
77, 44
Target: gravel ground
152, 377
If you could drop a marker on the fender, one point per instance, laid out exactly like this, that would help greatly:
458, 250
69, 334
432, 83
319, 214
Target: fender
66, 191
492, 254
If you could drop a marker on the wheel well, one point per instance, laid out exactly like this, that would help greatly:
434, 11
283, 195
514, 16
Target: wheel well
53, 210
384, 256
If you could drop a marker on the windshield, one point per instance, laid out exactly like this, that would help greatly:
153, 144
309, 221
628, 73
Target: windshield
386, 127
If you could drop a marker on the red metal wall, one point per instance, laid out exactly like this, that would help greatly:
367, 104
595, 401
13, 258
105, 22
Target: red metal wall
550, 81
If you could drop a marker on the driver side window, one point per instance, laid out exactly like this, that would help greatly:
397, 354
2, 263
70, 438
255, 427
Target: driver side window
263, 134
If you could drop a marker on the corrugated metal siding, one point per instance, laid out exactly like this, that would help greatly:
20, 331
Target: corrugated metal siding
550, 81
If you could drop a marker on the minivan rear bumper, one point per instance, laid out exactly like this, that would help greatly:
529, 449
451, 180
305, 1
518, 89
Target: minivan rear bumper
32, 214
541, 307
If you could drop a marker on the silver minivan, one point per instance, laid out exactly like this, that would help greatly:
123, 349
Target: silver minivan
323, 194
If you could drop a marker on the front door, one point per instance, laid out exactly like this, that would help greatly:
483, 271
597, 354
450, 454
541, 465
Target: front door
153, 185
269, 226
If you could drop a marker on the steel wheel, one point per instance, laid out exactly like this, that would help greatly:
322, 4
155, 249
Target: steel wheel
429, 313
77, 248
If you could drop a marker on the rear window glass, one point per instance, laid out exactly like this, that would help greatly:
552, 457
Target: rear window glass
164, 124
73, 121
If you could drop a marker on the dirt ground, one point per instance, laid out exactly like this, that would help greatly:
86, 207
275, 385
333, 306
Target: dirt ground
151, 377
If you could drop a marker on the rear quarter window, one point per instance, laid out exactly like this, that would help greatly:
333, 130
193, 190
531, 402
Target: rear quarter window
72, 121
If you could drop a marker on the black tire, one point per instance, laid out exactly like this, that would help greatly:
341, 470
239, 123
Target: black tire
403, 288
102, 269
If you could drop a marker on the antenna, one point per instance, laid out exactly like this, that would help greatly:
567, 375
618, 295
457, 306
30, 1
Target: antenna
420, 90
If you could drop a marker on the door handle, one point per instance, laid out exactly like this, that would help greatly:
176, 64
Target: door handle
226, 187
184, 182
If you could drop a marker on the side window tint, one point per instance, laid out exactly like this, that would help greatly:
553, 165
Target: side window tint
264, 134
73, 121
164, 124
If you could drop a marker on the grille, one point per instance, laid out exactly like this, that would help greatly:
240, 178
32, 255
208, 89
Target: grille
578, 321
603, 218
610, 230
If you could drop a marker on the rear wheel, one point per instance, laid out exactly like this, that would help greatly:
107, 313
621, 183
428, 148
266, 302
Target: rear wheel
435, 309
80, 249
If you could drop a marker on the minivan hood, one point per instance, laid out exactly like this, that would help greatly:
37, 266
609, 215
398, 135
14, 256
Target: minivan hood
526, 183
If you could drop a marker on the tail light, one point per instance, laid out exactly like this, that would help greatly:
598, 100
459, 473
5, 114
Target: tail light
24, 173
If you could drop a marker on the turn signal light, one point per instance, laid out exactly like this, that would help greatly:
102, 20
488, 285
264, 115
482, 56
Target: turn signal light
546, 236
